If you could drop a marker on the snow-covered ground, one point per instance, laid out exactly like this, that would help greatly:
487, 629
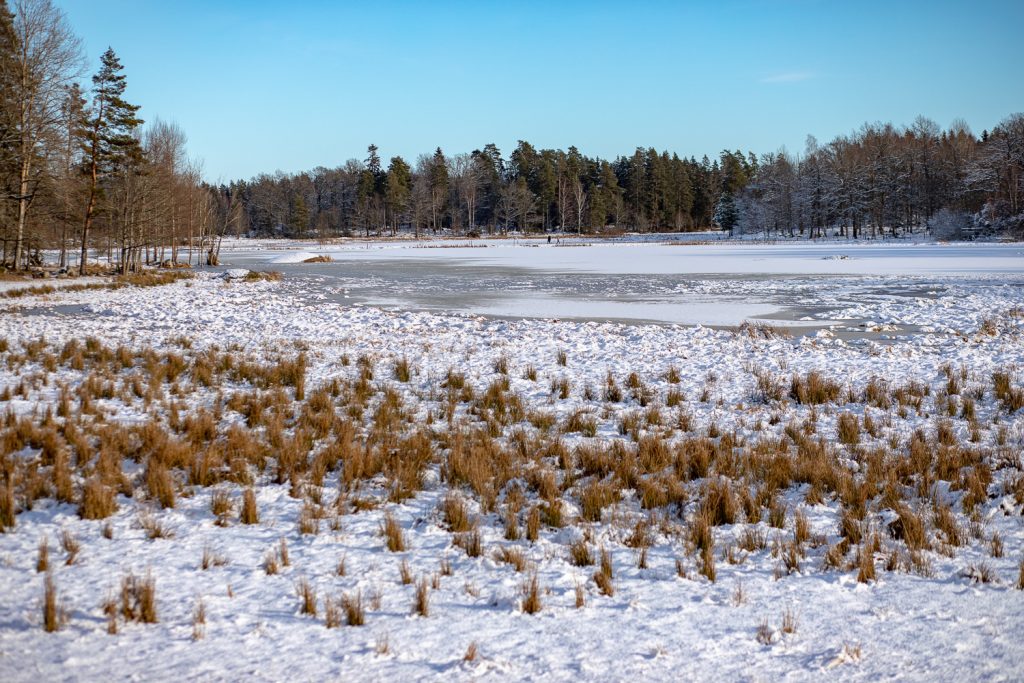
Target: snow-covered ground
898, 314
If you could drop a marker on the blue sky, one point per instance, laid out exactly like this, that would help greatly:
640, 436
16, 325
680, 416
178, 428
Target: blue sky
262, 86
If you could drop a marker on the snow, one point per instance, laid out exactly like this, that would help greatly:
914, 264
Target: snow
293, 257
657, 625
730, 257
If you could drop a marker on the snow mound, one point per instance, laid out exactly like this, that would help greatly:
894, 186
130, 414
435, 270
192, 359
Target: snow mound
293, 257
235, 274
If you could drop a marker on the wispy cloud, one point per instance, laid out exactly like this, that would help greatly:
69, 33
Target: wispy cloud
788, 77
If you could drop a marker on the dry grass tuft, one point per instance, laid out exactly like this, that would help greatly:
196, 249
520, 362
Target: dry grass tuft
71, 546
97, 500
765, 632
199, 620
531, 603
813, 389
848, 429
579, 553
789, 621
43, 557
159, 483
250, 513
605, 575
7, 507
393, 535
270, 563
332, 612
307, 597
220, 506
402, 370
110, 610
211, 558
153, 526
138, 598
54, 614
352, 606
513, 556
421, 600
471, 542
865, 563
456, 516
405, 572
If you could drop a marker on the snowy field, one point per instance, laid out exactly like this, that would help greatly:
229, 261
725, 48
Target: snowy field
522, 462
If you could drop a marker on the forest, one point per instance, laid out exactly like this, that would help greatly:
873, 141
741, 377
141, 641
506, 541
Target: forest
879, 181
84, 174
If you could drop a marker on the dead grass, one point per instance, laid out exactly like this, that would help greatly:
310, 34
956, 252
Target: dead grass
211, 558
531, 602
394, 537
307, 597
765, 632
471, 542
71, 545
54, 614
250, 513
421, 599
579, 553
813, 389
43, 556
513, 556
271, 566
789, 621
7, 507
848, 429
97, 500
199, 620
865, 564
456, 516
138, 598
352, 606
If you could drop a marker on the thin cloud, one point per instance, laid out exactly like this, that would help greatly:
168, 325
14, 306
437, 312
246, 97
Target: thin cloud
788, 77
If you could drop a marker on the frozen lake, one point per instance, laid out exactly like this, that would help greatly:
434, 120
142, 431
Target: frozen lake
710, 284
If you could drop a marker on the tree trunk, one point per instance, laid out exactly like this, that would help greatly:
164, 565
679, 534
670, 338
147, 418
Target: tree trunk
90, 207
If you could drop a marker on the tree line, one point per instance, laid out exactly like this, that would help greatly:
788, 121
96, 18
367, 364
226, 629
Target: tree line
886, 181
880, 181
81, 174
485, 192
79, 171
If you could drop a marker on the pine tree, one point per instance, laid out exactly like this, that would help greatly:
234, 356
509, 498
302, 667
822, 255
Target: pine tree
108, 141
727, 214
299, 219
438, 185
399, 186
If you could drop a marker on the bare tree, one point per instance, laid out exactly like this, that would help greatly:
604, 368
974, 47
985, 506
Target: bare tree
49, 58
579, 195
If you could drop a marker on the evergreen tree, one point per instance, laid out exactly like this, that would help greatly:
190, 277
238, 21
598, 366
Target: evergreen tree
299, 217
727, 214
108, 141
399, 189
438, 186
